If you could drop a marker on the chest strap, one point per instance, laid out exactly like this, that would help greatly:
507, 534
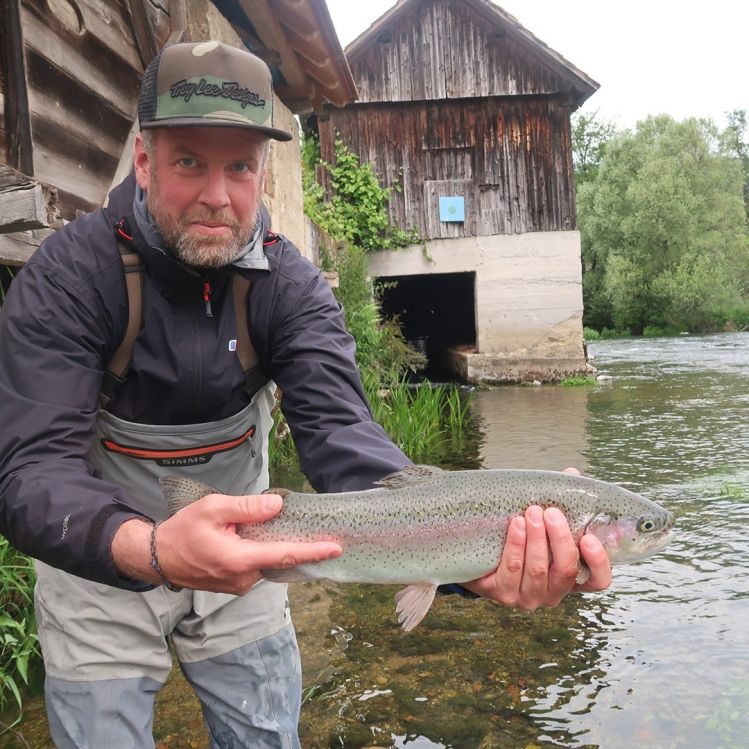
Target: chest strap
254, 378
116, 371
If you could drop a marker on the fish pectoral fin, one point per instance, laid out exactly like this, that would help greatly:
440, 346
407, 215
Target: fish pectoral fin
288, 575
583, 572
413, 602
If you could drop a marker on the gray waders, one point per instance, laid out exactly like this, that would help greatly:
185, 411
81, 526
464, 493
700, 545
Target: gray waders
106, 650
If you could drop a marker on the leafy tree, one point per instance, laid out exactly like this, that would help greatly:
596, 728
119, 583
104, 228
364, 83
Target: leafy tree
736, 143
590, 135
664, 216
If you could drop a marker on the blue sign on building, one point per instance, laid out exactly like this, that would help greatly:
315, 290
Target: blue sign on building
452, 209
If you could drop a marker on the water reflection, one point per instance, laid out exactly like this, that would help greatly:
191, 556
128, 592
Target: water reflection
534, 427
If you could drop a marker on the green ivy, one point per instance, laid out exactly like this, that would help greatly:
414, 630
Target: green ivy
356, 212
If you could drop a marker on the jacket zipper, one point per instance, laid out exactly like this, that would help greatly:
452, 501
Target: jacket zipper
207, 292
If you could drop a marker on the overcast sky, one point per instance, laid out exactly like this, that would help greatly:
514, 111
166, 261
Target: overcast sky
687, 59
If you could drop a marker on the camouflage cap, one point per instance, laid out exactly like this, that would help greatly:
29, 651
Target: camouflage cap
208, 84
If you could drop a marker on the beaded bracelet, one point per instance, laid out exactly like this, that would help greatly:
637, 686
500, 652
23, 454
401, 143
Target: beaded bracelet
155, 561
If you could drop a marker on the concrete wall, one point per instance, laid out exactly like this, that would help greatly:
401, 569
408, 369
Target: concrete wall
529, 302
283, 186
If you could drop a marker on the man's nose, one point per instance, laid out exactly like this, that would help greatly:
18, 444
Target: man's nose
215, 194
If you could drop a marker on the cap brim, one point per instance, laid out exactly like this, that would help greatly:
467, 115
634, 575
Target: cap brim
271, 132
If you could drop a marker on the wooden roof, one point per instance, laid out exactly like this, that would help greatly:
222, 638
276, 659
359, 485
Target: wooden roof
580, 85
298, 38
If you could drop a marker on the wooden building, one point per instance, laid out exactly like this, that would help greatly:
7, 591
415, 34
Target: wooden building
69, 77
470, 114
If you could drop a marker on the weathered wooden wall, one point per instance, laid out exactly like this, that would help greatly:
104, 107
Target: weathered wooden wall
509, 157
83, 72
445, 50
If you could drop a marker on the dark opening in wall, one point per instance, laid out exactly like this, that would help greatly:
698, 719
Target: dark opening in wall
436, 311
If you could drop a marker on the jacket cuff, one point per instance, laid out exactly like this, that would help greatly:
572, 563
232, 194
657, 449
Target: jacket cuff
455, 589
101, 549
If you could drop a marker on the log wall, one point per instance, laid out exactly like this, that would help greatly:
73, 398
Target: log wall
444, 50
509, 157
83, 71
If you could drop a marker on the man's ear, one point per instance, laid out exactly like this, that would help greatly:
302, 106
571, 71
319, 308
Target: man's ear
141, 164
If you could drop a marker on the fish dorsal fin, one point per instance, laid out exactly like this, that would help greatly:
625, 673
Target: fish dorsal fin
180, 492
409, 476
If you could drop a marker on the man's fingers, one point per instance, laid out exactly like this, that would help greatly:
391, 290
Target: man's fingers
564, 554
250, 508
510, 572
594, 555
282, 554
534, 585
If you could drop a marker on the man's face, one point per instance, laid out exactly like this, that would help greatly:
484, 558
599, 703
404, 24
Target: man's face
202, 186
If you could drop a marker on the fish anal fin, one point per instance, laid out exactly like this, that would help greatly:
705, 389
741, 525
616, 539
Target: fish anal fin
413, 602
410, 475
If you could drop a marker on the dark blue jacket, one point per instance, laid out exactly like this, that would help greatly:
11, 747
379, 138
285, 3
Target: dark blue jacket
64, 317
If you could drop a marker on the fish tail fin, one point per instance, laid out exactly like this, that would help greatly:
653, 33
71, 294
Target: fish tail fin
413, 602
179, 491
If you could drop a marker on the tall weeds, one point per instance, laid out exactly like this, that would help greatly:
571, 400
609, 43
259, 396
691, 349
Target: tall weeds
18, 640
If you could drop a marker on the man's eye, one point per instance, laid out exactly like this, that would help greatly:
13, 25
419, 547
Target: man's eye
240, 167
188, 162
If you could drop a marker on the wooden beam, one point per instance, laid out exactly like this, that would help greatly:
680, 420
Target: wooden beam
272, 35
142, 31
16, 249
177, 15
24, 202
17, 115
125, 164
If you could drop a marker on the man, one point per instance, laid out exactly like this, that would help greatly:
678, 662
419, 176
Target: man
79, 480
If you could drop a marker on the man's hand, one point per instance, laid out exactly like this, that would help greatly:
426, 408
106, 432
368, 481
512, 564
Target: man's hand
198, 547
540, 562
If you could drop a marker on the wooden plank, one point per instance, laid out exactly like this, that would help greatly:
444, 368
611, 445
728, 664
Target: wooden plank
142, 31
21, 202
77, 65
273, 36
125, 163
177, 15
102, 23
17, 248
17, 120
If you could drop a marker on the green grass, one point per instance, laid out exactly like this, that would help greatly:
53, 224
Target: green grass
578, 381
18, 640
423, 421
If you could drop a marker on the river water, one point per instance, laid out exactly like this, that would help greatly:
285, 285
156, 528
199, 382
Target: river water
659, 660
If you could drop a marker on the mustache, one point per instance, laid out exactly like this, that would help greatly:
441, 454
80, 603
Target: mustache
217, 217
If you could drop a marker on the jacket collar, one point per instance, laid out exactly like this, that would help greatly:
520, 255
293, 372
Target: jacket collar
124, 203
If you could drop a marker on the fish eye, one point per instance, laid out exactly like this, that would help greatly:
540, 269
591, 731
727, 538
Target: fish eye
645, 525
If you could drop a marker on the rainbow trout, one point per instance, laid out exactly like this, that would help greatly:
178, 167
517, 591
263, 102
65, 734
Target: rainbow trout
425, 527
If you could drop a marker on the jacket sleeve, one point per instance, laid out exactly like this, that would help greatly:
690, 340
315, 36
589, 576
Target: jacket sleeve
53, 339
312, 360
